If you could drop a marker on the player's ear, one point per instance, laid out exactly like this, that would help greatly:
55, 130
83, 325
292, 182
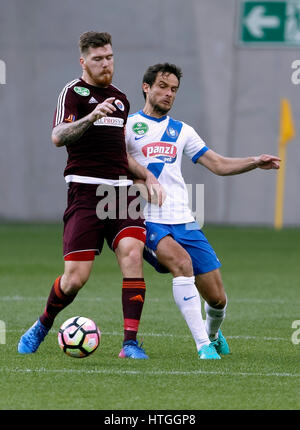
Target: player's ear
145, 87
82, 62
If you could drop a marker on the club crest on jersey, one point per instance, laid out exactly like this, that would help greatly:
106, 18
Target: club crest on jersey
163, 151
119, 105
172, 132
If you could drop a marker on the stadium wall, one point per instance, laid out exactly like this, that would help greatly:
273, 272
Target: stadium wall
229, 94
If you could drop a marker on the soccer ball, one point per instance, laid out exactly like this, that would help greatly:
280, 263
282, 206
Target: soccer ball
79, 336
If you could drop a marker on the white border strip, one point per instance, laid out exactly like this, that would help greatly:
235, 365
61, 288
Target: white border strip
98, 181
43, 370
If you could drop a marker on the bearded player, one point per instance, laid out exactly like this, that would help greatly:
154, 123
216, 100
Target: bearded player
89, 122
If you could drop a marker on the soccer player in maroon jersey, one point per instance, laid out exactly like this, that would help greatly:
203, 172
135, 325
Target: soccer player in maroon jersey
89, 121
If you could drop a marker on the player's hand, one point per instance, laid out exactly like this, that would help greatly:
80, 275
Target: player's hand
156, 192
267, 162
103, 109
151, 190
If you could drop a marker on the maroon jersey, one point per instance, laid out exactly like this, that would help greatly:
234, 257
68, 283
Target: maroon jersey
101, 151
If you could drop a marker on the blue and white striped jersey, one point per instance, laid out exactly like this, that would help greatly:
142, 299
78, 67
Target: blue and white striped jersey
158, 144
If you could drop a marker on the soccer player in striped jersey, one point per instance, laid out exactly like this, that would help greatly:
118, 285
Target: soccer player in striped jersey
89, 122
175, 243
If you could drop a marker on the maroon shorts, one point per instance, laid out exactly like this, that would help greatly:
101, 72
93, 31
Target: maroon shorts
91, 218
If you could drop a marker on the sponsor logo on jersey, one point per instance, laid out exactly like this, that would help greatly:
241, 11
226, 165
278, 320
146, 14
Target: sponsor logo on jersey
82, 91
110, 121
140, 128
71, 118
119, 104
163, 151
93, 100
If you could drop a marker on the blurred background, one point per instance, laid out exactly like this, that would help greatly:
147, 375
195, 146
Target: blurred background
236, 59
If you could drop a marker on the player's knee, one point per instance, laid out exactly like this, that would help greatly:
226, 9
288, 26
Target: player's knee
133, 257
73, 282
217, 301
181, 266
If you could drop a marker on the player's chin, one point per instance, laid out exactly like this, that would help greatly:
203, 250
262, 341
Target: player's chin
164, 108
105, 79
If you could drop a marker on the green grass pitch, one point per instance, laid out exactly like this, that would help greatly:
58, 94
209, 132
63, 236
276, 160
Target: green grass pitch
261, 275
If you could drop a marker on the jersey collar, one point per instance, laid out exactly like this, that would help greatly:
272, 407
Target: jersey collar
141, 112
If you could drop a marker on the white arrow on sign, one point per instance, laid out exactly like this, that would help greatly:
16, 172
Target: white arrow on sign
256, 21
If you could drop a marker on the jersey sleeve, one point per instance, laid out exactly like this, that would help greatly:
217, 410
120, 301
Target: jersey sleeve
127, 104
195, 146
67, 107
128, 136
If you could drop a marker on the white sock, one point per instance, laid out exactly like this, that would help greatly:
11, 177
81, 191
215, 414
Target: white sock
214, 319
188, 300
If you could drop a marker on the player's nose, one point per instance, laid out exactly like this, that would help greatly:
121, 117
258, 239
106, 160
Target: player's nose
105, 63
169, 93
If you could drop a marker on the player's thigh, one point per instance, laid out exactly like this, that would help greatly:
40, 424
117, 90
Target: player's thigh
174, 257
126, 236
83, 230
76, 274
210, 286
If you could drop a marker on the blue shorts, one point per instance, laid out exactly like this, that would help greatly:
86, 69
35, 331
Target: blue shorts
190, 237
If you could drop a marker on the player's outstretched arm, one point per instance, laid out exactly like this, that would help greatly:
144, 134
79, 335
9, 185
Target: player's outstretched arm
224, 166
67, 133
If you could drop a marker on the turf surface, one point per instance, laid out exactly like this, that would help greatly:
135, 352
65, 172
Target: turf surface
261, 274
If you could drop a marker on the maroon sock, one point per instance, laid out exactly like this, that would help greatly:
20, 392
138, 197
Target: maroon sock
56, 302
133, 296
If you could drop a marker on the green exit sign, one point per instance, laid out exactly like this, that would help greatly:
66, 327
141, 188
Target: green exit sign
269, 22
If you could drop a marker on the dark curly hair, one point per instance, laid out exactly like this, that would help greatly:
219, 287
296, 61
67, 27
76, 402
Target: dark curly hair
152, 71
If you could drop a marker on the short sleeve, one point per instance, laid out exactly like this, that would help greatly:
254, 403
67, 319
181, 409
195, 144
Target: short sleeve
67, 107
195, 146
128, 135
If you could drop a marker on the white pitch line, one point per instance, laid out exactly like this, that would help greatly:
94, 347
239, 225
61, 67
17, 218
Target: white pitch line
42, 298
150, 372
259, 338
186, 336
271, 301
